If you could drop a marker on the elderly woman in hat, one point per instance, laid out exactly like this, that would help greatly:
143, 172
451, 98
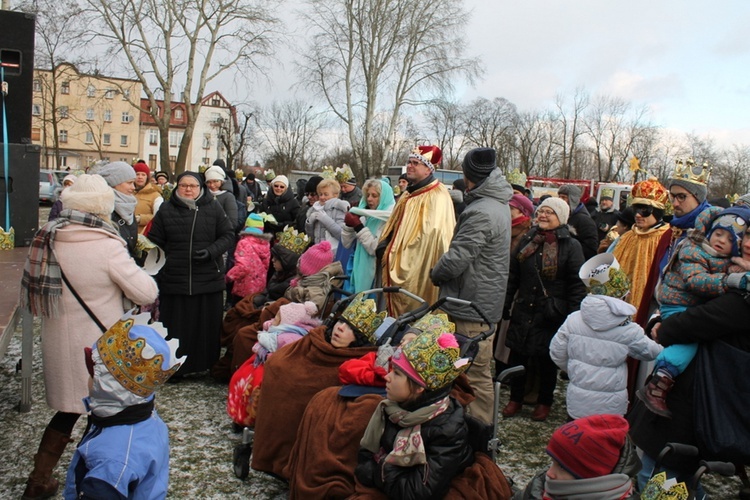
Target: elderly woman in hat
194, 232
82, 230
544, 271
121, 178
281, 203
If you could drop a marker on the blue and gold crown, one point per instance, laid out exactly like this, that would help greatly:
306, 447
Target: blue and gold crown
124, 349
293, 240
690, 172
363, 316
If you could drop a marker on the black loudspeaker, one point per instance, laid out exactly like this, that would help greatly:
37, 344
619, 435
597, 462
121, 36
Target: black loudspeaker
23, 187
17, 61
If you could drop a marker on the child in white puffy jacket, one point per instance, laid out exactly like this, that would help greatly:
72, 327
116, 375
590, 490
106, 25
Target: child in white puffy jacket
593, 344
325, 219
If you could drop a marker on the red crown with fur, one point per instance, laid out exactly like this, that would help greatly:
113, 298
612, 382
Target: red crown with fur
429, 155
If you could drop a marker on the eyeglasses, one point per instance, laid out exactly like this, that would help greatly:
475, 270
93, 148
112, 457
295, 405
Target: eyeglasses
310, 195
188, 186
681, 197
414, 163
643, 210
279, 186
545, 212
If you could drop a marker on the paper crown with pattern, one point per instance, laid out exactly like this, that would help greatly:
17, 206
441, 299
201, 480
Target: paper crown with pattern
602, 275
516, 178
434, 323
650, 192
433, 359
293, 240
362, 314
688, 171
270, 175
327, 172
607, 193
343, 173
138, 355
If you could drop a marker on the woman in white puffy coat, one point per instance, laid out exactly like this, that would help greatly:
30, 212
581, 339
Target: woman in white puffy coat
592, 346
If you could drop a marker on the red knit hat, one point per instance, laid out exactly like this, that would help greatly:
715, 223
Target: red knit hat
590, 446
141, 167
315, 258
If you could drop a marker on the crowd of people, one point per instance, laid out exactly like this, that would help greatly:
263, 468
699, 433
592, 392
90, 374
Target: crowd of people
247, 281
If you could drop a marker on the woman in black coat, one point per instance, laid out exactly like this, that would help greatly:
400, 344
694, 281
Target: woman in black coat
281, 203
194, 232
544, 270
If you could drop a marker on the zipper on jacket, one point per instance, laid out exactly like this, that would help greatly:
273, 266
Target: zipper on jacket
190, 255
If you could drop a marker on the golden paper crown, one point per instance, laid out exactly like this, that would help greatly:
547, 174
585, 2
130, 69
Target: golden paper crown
607, 193
121, 350
436, 358
435, 322
293, 240
363, 316
343, 173
516, 177
270, 175
327, 172
650, 192
688, 171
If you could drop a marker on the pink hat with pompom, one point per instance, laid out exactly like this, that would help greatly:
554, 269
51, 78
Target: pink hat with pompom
298, 314
315, 258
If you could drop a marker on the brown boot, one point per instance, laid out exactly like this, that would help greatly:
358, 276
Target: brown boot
41, 484
540, 413
654, 394
511, 409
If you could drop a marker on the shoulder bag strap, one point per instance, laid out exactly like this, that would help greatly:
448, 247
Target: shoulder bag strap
83, 304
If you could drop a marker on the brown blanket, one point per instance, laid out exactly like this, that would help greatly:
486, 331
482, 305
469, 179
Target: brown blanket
480, 481
247, 336
294, 374
321, 463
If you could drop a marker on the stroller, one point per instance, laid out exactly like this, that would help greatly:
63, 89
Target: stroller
658, 486
391, 327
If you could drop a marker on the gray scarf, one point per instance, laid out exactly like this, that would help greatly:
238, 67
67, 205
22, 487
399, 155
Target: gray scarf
125, 206
192, 205
609, 487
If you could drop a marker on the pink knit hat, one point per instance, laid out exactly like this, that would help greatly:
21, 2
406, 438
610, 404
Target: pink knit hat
523, 204
315, 258
294, 313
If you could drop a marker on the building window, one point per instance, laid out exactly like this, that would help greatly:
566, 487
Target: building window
37, 85
36, 110
125, 94
36, 134
126, 117
109, 94
63, 111
178, 114
172, 162
65, 88
207, 141
89, 138
153, 137
123, 140
63, 136
107, 115
105, 158
205, 161
174, 139
106, 139
152, 161
215, 101
90, 114
90, 91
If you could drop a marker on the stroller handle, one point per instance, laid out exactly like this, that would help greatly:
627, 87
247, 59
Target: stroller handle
462, 302
723, 468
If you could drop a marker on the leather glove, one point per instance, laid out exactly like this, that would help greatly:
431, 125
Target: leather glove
352, 220
201, 255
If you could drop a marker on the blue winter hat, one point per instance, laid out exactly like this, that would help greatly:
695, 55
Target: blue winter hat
734, 220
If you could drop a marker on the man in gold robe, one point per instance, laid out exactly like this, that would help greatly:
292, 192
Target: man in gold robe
418, 232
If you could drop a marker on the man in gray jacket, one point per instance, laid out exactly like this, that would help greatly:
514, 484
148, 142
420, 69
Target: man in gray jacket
475, 267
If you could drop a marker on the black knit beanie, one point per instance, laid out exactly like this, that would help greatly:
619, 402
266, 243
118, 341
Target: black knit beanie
479, 163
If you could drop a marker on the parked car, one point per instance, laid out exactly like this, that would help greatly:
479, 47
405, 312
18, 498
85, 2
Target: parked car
49, 186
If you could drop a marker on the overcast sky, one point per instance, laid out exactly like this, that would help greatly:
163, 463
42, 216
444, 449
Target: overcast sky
687, 60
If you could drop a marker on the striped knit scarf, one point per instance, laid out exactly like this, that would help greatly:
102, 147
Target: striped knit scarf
41, 285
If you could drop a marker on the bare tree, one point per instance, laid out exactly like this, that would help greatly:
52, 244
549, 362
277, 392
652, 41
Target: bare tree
569, 120
445, 121
489, 123
289, 133
168, 43
368, 59
731, 175
57, 38
234, 137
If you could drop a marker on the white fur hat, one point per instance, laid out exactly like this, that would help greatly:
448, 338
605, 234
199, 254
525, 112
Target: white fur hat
90, 193
215, 173
557, 205
282, 179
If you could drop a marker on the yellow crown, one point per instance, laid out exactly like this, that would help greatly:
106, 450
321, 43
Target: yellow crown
607, 193
121, 351
344, 173
434, 323
689, 171
327, 172
363, 316
516, 177
293, 240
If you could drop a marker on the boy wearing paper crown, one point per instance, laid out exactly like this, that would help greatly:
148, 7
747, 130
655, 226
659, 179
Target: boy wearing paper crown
593, 344
417, 439
125, 450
